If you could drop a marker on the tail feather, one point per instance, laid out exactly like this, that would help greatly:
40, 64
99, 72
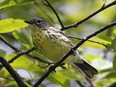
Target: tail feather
86, 68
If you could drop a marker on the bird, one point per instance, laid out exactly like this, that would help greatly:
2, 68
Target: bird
53, 43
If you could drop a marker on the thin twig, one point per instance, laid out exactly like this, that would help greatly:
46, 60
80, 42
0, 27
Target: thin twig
14, 48
55, 13
90, 82
39, 59
52, 68
22, 53
7, 78
29, 55
18, 55
79, 83
89, 41
12, 72
90, 16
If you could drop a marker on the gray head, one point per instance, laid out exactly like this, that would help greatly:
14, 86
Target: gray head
40, 22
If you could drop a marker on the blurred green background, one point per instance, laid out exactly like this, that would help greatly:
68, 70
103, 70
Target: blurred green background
16, 32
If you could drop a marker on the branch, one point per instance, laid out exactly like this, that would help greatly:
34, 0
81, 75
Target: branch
89, 41
13, 73
90, 82
48, 4
90, 16
39, 59
52, 68
22, 53
26, 53
7, 78
18, 55
15, 49
79, 83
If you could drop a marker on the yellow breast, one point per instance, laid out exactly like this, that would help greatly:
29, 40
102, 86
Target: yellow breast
51, 44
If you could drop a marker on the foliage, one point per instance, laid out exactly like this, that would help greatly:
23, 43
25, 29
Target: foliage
100, 50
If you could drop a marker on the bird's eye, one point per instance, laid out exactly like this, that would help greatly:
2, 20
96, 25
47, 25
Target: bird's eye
38, 21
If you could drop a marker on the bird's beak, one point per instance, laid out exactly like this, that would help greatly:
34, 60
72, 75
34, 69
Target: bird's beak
30, 21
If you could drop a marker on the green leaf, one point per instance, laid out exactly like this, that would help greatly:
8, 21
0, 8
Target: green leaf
90, 57
12, 83
104, 37
111, 75
66, 83
10, 24
6, 3
97, 43
62, 76
24, 37
21, 62
2, 52
101, 64
104, 82
70, 74
54, 80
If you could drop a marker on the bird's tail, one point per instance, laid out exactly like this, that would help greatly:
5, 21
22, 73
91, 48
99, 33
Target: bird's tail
86, 68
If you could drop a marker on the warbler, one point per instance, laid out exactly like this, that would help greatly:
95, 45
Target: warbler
53, 44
